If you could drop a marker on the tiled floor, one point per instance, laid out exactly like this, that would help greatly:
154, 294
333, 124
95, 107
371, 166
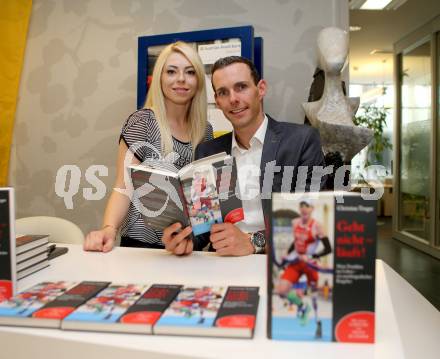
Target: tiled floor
418, 268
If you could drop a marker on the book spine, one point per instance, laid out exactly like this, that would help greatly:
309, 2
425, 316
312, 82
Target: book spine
28, 242
354, 270
151, 305
185, 218
7, 244
70, 300
239, 308
269, 265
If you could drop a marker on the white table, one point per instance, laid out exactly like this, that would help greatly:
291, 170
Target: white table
407, 325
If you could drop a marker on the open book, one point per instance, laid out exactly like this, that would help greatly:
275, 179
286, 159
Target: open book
200, 194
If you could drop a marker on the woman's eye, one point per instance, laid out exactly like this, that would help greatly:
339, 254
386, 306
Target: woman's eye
191, 72
170, 72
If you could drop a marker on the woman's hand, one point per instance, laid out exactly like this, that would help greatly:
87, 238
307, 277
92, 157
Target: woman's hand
101, 240
176, 240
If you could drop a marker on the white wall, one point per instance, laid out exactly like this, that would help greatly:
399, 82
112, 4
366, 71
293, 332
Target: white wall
79, 80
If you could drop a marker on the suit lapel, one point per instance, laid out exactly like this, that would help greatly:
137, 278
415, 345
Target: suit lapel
227, 143
270, 147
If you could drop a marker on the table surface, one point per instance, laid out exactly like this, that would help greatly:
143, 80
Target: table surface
407, 325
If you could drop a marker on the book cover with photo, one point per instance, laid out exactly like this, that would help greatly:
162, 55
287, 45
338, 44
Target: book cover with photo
322, 267
8, 278
211, 311
103, 311
200, 194
19, 309
52, 313
237, 315
201, 198
142, 315
193, 312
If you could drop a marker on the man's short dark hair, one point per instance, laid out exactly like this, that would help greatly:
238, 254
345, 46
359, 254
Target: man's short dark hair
229, 60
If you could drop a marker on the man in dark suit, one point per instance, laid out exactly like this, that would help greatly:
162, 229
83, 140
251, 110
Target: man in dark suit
277, 156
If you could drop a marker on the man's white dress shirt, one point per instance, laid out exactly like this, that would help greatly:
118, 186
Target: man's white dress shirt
248, 173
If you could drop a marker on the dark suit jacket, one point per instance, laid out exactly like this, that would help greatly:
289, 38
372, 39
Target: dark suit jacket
287, 144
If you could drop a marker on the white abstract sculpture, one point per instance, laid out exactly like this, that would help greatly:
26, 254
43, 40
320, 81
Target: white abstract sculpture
333, 113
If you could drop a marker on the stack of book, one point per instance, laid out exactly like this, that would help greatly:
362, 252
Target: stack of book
31, 254
216, 311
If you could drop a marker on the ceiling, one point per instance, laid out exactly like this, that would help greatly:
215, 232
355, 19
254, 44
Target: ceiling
380, 30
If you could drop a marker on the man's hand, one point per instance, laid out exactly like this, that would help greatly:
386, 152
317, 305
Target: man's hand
101, 240
177, 242
228, 240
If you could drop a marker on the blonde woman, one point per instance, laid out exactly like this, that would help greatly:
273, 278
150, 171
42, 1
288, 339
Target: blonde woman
174, 119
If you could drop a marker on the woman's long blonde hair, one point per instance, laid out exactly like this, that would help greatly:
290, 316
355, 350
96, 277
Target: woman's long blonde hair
198, 109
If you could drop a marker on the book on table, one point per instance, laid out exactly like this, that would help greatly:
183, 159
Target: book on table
48, 303
200, 194
31, 254
27, 242
167, 309
127, 308
29, 262
321, 274
25, 272
8, 272
211, 311
18, 310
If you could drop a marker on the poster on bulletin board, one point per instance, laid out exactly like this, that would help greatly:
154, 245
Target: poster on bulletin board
210, 45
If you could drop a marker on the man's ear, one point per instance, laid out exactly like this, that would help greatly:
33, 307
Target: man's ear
262, 88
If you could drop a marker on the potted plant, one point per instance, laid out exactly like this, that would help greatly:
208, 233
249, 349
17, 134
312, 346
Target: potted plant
374, 118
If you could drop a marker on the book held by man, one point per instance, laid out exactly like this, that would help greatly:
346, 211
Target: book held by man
200, 194
321, 278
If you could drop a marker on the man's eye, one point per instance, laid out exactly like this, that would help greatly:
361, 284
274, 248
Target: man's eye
242, 86
221, 93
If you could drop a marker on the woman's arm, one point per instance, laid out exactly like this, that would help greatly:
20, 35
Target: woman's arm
115, 211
